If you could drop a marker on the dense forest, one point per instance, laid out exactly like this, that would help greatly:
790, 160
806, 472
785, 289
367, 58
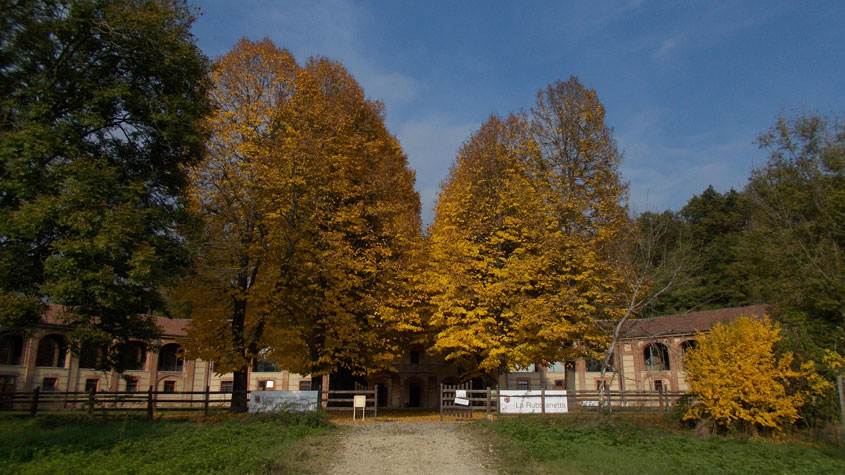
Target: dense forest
778, 241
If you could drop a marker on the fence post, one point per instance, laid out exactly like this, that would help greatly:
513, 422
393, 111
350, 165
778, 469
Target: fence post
33, 408
375, 406
91, 402
150, 403
498, 401
488, 411
205, 402
543, 400
840, 385
441, 402
660, 400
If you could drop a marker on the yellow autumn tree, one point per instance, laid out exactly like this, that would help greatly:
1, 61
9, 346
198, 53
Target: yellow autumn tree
521, 262
308, 217
344, 298
486, 251
738, 380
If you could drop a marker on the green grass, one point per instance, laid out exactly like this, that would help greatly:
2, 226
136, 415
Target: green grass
627, 446
131, 445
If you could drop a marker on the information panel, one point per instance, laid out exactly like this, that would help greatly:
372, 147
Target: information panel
279, 401
529, 402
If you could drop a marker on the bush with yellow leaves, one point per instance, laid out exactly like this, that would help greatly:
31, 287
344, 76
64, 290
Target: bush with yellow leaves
738, 381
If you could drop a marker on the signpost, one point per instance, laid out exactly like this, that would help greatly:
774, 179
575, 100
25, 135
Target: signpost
359, 401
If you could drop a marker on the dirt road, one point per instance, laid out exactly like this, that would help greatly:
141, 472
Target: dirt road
410, 448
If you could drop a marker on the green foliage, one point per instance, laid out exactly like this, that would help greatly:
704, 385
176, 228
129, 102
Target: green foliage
99, 114
566, 445
74, 444
709, 228
794, 244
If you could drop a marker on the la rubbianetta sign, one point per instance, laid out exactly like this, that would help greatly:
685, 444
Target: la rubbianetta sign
531, 402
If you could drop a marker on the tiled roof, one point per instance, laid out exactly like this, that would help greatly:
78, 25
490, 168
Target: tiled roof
687, 323
173, 327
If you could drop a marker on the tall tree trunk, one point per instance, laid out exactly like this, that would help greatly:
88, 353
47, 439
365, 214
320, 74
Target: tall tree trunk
239, 380
239, 387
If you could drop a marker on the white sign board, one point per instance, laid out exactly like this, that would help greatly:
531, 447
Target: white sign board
461, 393
529, 402
359, 401
278, 401
462, 401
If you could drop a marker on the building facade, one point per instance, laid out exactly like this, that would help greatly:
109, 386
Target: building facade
649, 356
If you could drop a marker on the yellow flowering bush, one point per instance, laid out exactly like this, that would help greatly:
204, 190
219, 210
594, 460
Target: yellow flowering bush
737, 380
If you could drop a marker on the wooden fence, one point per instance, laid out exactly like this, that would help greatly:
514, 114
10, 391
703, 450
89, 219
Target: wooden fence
460, 401
152, 401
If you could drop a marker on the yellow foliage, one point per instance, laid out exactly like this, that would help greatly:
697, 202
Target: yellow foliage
736, 377
310, 222
518, 252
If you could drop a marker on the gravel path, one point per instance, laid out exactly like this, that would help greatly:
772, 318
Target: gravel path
409, 448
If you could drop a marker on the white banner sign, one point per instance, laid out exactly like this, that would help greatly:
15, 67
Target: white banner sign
282, 401
462, 401
460, 393
529, 402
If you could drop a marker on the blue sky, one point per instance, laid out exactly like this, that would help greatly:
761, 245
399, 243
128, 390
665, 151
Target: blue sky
687, 86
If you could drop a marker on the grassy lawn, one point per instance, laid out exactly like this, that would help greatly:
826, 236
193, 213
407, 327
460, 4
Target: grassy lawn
223, 444
625, 445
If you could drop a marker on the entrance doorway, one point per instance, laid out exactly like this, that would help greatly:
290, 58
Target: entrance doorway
414, 394
382, 394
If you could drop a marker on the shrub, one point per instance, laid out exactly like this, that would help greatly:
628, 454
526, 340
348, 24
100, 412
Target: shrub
740, 383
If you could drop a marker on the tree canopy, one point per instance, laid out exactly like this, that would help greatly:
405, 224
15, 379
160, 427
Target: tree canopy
101, 102
309, 221
520, 258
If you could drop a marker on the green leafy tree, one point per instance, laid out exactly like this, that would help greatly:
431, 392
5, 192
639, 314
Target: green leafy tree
100, 107
710, 227
794, 246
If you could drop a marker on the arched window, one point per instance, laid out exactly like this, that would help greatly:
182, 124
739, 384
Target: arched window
89, 354
656, 357
687, 346
168, 358
133, 355
51, 351
11, 349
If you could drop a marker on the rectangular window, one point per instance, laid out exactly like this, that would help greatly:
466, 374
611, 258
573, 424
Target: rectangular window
49, 384
91, 385
305, 385
599, 385
225, 386
170, 386
523, 385
415, 357
131, 384
658, 385
558, 384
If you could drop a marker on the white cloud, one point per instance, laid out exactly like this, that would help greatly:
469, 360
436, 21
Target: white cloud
666, 49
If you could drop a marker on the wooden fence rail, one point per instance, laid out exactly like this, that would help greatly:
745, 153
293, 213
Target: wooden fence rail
152, 401
460, 401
